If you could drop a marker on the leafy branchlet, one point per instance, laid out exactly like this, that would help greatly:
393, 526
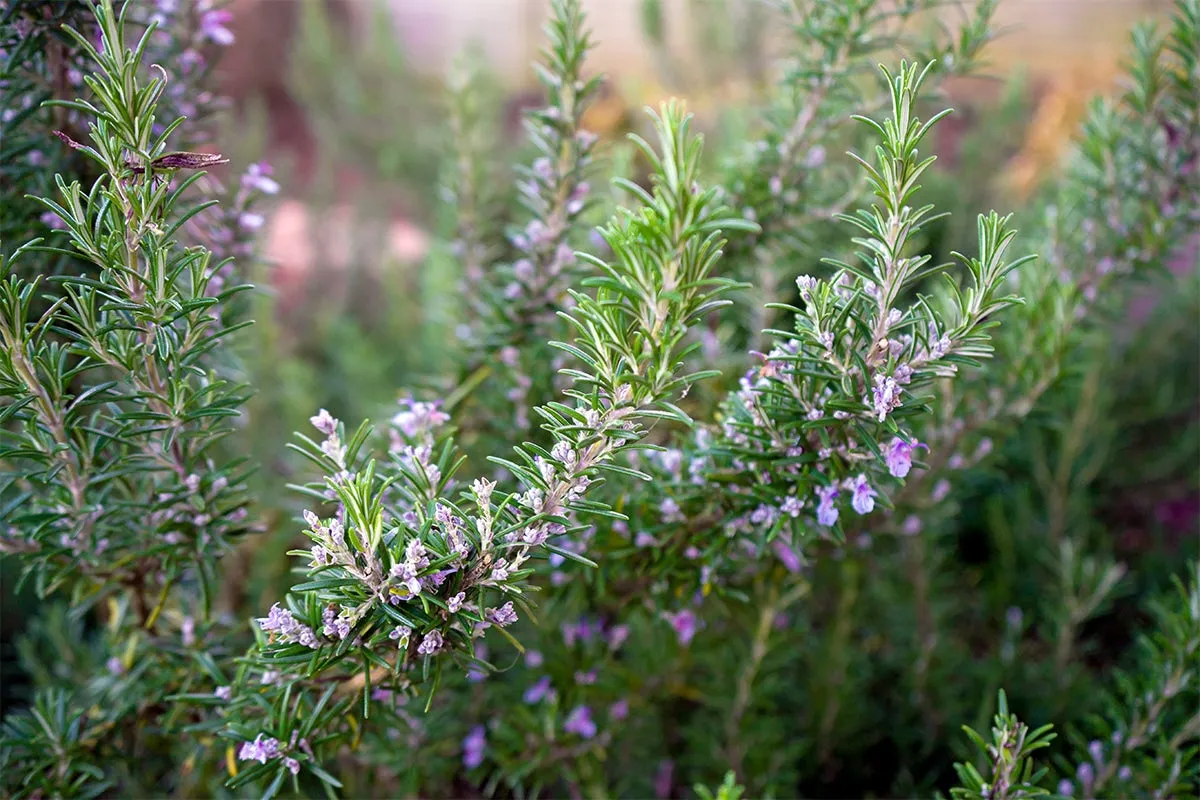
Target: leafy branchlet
404, 574
1011, 773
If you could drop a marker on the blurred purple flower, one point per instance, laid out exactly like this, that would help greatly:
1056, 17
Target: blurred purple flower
684, 622
580, 722
473, 746
535, 693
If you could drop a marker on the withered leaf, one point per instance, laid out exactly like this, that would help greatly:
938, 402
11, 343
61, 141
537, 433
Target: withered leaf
70, 142
188, 160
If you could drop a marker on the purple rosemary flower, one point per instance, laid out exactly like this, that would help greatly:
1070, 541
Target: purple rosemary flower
281, 623
400, 635
431, 644
260, 750
670, 510
419, 420
827, 512
534, 659
293, 766
324, 422
455, 602
619, 710
539, 690
792, 506
863, 498
684, 622
898, 456
114, 666
223, 692
473, 746
503, 616
213, 22
335, 625
887, 396
617, 636
580, 722
786, 555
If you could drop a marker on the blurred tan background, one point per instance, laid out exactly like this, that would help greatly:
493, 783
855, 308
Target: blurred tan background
1068, 47
1042, 33
1070, 50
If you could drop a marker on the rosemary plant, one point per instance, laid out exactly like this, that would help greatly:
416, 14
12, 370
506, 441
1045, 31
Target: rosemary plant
586, 563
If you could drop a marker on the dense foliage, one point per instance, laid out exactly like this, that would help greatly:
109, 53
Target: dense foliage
721, 482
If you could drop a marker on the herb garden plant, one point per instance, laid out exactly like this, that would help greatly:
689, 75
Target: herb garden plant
685, 504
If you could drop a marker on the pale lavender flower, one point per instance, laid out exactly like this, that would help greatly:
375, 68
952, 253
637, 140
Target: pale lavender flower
213, 24
1066, 788
419, 419
863, 498
324, 422
499, 571
912, 525
223, 692
786, 555
580, 722
940, 490
293, 766
260, 750
669, 510
539, 690
886, 396
257, 177
898, 456
335, 625
617, 636
565, 454
619, 710
188, 631
827, 512
684, 622
251, 221
792, 506
473, 746
534, 659
115, 666
281, 623
406, 573
455, 602
585, 678
503, 616
644, 539
431, 644
400, 634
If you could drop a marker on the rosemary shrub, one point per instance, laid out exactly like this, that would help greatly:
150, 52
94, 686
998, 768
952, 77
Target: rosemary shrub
577, 559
